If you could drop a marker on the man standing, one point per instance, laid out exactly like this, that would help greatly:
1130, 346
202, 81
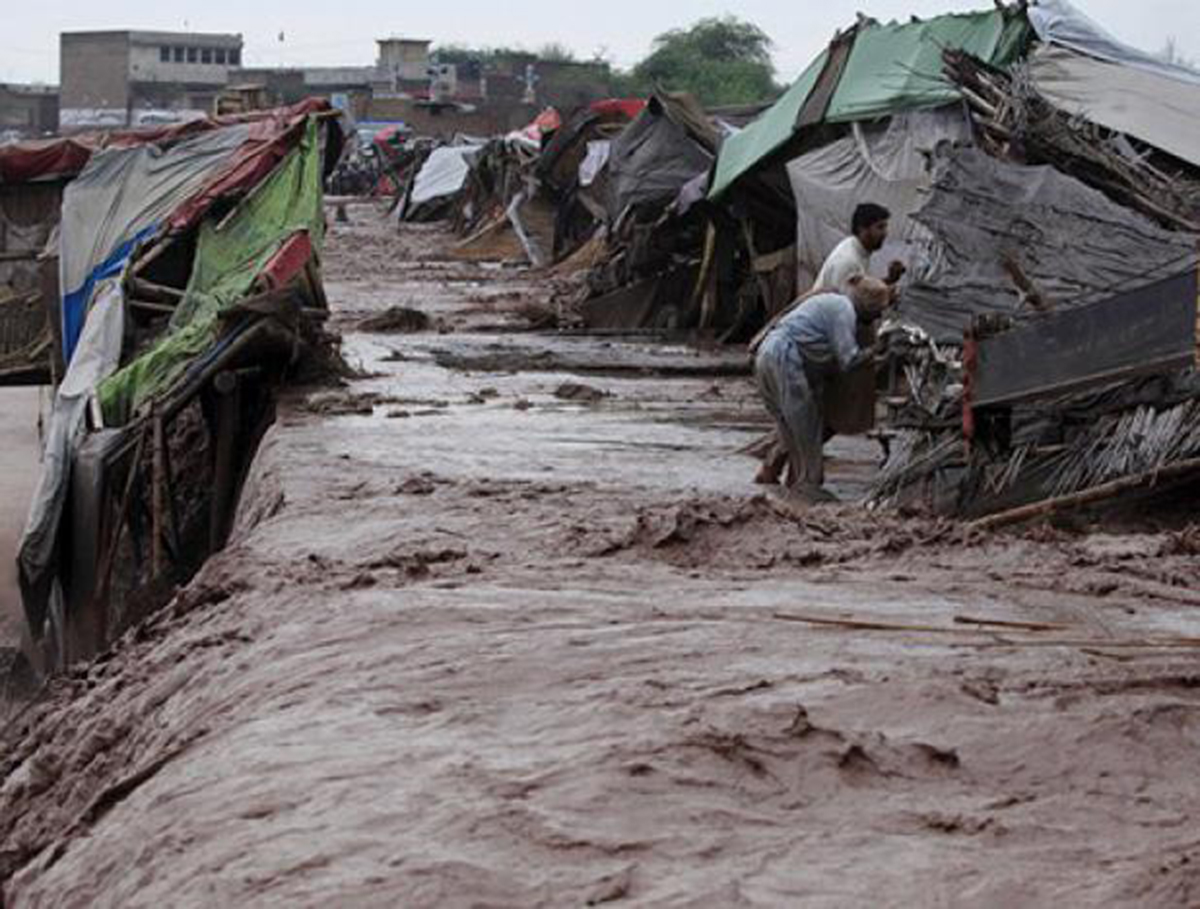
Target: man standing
852, 257
810, 345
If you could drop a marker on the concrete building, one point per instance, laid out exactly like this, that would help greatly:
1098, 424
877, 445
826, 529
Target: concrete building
128, 78
28, 111
404, 59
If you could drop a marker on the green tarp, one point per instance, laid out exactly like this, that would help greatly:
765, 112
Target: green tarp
890, 68
230, 255
740, 152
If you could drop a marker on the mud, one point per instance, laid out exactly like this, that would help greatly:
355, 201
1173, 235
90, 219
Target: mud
19, 465
523, 647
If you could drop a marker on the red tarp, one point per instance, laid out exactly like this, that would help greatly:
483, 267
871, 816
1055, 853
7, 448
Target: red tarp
275, 133
629, 108
42, 160
64, 158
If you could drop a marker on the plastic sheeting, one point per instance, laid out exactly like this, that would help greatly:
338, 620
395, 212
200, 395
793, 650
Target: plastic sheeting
1161, 111
891, 68
444, 173
120, 198
1073, 242
886, 165
230, 255
657, 154
97, 356
597, 157
1059, 22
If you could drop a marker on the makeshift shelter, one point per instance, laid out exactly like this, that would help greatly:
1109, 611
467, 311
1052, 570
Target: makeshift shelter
438, 182
653, 244
1043, 181
188, 259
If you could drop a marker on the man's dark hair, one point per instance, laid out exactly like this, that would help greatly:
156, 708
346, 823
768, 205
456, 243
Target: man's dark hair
867, 215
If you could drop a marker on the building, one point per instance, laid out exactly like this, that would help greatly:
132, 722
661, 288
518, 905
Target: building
28, 111
404, 59
128, 78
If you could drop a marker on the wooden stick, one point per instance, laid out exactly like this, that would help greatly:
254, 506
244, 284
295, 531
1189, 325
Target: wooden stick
1000, 623
110, 555
158, 505
1100, 493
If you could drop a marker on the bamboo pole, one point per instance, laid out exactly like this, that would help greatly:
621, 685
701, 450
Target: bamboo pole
1171, 472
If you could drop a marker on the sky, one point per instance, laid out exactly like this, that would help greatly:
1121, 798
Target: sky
344, 33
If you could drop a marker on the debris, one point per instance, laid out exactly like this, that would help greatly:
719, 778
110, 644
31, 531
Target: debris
575, 391
397, 319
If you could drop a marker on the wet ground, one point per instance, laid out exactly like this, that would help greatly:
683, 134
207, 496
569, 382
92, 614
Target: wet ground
19, 447
505, 623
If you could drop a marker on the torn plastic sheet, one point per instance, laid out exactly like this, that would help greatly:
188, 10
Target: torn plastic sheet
886, 165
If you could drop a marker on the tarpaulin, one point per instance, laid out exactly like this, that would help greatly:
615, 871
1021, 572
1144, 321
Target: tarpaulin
443, 174
42, 160
122, 197
618, 108
597, 157
656, 155
1073, 242
899, 67
64, 158
98, 354
885, 164
1161, 111
766, 135
230, 256
890, 68
1059, 22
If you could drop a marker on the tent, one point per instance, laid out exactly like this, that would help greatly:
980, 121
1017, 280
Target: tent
170, 245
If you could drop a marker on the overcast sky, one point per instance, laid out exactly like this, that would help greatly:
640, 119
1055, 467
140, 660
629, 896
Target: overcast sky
344, 32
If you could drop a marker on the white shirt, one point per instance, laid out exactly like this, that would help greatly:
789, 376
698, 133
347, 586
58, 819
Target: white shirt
849, 259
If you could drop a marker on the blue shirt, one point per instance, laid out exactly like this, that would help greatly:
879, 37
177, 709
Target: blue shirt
824, 329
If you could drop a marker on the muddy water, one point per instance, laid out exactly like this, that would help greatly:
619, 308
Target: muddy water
476, 643
19, 450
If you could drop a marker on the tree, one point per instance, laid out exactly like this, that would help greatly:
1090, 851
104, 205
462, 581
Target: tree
718, 60
556, 52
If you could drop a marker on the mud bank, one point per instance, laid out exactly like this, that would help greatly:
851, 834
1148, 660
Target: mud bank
514, 647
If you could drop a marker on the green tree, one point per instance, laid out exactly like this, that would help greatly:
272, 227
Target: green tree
718, 60
556, 52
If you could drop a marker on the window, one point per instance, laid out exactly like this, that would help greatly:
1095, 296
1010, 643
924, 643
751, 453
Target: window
180, 54
206, 55
235, 57
164, 55
219, 56
193, 55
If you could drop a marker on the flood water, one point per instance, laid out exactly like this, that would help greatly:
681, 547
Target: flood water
19, 448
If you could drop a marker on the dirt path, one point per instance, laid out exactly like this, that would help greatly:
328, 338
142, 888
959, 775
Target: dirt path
505, 623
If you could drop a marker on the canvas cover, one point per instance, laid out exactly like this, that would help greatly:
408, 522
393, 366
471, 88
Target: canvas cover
1158, 109
890, 68
230, 255
885, 164
1072, 241
669, 144
121, 198
444, 173
1059, 22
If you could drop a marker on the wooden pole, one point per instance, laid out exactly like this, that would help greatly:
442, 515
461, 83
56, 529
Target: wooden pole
158, 504
226, 435
1169, 473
